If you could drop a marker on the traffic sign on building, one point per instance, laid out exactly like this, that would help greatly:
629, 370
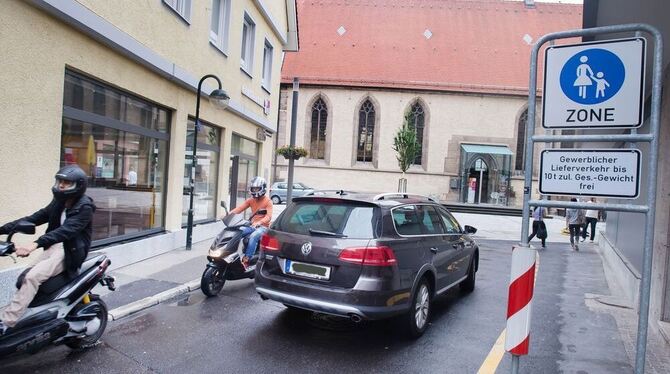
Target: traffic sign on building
590, 172
594, 85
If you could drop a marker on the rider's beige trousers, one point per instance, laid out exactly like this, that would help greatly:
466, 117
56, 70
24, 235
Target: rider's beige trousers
50, 263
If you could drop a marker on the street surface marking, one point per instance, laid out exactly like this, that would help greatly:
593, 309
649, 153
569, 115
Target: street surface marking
496, 354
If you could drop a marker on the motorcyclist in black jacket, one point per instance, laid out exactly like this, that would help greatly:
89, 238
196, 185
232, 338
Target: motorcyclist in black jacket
66, 241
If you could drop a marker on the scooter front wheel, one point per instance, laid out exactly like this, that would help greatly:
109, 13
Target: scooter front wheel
212, 281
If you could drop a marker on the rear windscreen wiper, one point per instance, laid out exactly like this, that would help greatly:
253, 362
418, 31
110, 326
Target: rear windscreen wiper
326, 233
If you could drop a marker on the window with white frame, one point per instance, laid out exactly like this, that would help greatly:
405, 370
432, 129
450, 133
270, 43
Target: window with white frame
248, 33
218, 32
182, 7
267, 65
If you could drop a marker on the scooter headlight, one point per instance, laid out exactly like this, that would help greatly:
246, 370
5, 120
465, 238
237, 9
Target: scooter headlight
215, 252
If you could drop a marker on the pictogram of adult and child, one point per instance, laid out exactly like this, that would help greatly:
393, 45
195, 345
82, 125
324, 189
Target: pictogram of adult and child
586, 78
592, 76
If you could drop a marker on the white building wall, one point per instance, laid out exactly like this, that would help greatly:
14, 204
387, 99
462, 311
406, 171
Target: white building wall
451, 119
163, 59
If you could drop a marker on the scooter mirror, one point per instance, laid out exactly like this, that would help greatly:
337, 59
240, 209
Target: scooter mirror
223, 204
262, 212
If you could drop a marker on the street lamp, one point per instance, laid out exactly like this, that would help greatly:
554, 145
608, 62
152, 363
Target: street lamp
220, 99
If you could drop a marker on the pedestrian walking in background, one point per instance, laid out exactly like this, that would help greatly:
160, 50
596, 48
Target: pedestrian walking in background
539, 228
591, 219
573, 218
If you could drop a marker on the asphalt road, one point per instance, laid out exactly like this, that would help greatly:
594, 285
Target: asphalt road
238, 332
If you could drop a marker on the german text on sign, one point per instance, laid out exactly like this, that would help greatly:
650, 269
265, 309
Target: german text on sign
611, 173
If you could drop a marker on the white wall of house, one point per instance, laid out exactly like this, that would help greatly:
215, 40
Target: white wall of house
451, 119
145, 49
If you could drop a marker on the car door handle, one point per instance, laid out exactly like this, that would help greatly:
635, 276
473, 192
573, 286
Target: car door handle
433, 249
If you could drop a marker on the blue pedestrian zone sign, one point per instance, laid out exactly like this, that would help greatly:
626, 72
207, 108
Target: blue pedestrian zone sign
594, 85
592, 76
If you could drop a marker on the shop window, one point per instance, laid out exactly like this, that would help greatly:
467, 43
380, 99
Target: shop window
206, 172
247, 152
121, 141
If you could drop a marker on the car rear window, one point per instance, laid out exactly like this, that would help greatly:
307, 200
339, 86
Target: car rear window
350, 220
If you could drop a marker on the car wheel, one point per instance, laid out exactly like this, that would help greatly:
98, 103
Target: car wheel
468, 285
419, 313
276, 199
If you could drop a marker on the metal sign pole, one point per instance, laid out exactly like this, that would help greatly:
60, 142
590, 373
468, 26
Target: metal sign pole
652, 137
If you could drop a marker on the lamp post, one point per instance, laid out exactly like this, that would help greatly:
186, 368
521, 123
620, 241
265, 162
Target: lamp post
219, 98
294, 119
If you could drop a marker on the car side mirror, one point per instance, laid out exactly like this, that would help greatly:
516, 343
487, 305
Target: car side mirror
469, 229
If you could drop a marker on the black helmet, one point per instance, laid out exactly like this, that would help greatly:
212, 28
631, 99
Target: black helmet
74, 174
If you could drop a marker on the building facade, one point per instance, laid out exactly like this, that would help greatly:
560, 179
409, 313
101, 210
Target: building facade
111, 87
463, 91
621, 244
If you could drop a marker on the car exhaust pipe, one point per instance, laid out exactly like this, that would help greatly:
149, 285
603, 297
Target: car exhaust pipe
355, 318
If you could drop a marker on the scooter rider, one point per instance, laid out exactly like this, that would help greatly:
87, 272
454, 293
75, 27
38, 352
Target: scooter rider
257, 201
66, 241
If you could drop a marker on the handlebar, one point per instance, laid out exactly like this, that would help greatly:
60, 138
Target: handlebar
6, 248
23, 227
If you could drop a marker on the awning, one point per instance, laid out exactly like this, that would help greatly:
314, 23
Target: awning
486, 149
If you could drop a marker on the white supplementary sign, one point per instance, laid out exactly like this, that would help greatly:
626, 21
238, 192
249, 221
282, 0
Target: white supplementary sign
594, 85
590, 172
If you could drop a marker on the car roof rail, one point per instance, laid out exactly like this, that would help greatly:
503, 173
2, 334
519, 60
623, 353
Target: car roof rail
400, 195
323, 192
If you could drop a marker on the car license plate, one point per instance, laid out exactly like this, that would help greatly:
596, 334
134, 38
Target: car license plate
307, 270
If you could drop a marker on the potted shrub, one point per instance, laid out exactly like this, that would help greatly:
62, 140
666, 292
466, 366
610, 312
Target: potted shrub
292, 152
406, 148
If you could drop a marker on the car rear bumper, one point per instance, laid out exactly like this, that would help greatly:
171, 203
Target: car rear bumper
344, 304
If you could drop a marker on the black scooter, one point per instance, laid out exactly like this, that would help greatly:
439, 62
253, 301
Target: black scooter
225, 254
64, 311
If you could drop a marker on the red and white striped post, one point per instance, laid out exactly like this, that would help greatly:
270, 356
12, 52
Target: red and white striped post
522, 281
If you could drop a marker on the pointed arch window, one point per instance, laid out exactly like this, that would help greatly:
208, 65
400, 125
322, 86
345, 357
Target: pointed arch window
366, 132
520, 156
416, 120
317, 148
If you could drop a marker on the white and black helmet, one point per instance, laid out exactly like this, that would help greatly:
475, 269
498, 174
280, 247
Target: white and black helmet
258, 187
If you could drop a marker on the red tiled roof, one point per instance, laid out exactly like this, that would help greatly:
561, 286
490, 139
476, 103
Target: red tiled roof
475, 46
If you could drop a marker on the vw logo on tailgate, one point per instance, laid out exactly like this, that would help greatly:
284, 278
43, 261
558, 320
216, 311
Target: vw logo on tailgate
306, 248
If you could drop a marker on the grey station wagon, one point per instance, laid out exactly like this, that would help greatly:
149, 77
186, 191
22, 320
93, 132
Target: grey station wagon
366, 257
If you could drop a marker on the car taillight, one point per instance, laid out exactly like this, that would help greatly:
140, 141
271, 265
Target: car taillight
269, 243
369, 256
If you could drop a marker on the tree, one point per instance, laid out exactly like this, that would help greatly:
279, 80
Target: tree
406, 148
